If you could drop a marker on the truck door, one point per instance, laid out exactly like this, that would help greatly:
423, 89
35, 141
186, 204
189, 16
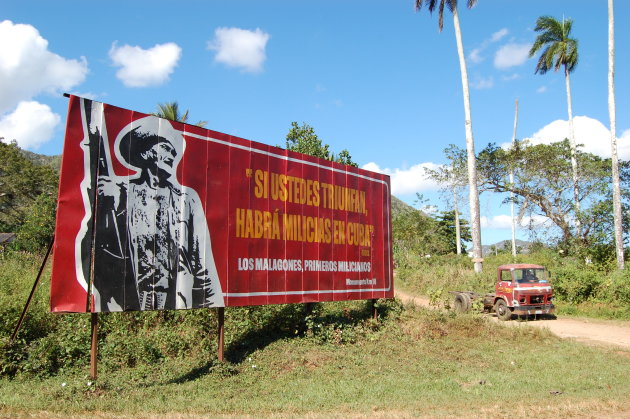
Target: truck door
505, 286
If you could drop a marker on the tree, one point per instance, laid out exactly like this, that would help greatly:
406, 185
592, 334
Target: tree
455, 231
415, 234
302, 139
473, 193
21, 183
170, 111
560, 51
452, 177
617, 215
542, 187
38, 227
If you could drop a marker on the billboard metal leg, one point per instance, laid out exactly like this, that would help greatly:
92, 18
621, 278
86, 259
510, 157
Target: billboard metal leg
30, 297
94, 347
221, 318
309, 308
374, 311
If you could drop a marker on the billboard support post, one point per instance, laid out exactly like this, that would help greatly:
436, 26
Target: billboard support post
221, 321
374, 311
94, 346
30, 297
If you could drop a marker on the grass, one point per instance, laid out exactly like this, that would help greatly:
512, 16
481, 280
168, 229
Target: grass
594, 309
579, 290
335, 362
423, 363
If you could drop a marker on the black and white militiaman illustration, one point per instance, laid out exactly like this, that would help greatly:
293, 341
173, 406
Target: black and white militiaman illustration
151, 246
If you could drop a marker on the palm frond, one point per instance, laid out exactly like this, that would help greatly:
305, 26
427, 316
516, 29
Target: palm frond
559, 50
441, 15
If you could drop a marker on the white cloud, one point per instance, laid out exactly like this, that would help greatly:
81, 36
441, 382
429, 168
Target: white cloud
497, 221
588, 131
407, 181
511, 77
498, 35
240, 48
88, 95
482, 83
504, 222
475, 55
145, 67
28, 68
541, 89
31, 124
511, 55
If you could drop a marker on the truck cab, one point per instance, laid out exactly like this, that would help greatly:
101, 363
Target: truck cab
523, 289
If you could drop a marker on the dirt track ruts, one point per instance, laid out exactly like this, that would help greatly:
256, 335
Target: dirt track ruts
591, 332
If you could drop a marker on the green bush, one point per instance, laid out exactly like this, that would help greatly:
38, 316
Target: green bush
49, 344
616, 288
39, 224
576, 285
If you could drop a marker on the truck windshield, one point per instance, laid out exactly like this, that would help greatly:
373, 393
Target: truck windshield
525, 276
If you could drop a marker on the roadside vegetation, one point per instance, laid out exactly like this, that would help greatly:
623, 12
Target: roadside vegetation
280, 360
579, 289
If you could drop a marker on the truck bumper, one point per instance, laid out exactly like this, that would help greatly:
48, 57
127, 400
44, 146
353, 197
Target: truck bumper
534, 309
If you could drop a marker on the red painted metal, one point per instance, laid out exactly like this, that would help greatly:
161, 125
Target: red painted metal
285, 227
524, 297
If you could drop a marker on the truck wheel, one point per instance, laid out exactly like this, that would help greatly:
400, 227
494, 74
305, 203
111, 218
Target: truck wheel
503, 311
461, 303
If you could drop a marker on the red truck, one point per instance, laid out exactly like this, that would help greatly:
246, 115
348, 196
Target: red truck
521, 289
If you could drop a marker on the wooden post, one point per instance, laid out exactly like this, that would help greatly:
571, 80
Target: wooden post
221, 318
30, 297
374, 311
94, 347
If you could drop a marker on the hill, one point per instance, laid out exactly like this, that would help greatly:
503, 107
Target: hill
43, 160
522, 246
398, 206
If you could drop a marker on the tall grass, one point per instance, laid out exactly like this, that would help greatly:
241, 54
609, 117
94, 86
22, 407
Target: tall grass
49, 344
579, 288
284, 361
426, 363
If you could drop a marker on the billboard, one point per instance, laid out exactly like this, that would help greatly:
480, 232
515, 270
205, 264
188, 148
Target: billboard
157, 215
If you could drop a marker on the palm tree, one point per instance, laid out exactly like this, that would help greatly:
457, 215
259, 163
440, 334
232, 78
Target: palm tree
170, 111
560, 51
473, 193
613, 138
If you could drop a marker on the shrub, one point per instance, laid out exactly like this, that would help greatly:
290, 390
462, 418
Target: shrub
576, 285
616, 288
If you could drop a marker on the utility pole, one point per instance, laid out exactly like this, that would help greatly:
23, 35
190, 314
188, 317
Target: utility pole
512, 182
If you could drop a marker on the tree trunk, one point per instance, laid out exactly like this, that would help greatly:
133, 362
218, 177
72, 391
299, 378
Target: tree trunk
473, 193
512, 182
574, 166
613, 138
458, 234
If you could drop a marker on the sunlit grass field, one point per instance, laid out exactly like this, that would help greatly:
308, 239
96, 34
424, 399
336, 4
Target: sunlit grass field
284, 362
422, 363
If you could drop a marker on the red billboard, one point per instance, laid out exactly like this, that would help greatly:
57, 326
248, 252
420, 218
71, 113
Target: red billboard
156, 215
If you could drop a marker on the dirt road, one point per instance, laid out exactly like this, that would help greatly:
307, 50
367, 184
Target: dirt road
592, 332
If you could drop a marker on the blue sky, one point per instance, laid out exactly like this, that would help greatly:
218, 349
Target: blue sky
374, 77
